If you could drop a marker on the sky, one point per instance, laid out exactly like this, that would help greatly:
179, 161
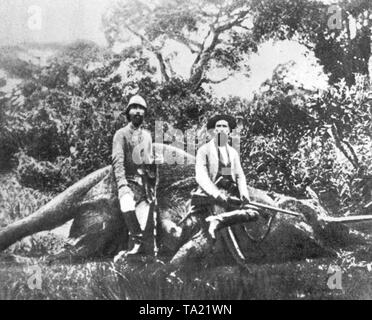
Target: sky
61, 21
64, 21
306, 70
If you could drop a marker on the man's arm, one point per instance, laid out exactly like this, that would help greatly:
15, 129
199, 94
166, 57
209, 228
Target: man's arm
202, 176
118, 159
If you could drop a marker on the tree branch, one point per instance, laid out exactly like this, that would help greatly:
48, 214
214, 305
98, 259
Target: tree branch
236, 22
156, 51
189, 43
163, 68
170, 68
352, 151
205, 80
336, 137
354, 157
209, 44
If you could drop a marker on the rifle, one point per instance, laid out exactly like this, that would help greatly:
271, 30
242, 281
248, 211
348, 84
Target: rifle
256, 206
150, 177
204, 199
348, 219
155, 212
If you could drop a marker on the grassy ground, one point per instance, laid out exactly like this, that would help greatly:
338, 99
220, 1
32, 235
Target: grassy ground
25, 264
104, 280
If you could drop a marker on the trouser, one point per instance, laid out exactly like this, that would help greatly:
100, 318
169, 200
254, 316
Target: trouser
196, 226
129, 204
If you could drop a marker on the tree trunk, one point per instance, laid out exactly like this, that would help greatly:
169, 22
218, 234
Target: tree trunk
370, 61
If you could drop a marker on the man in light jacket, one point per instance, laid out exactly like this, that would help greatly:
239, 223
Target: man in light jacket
219, 163
220, 176
131, 152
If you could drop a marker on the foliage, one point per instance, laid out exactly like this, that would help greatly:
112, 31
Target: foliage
41, 175
221, 34
17, 201
343, 118
66, 116
341, 54
293, 139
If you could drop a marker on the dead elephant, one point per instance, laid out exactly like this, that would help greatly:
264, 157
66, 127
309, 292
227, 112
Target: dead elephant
98, 229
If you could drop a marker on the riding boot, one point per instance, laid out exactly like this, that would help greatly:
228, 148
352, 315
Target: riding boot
135, 233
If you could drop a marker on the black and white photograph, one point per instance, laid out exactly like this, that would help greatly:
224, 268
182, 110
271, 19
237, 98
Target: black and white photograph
204, 150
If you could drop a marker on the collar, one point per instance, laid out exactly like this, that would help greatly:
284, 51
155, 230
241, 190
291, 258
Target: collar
132, 128
214, 148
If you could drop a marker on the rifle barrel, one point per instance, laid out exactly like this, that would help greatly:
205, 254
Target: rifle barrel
265, 206
349, 219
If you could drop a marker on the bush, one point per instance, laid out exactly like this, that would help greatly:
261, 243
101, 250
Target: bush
17, 201
41, 175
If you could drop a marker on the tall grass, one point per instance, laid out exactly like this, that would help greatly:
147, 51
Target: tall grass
17, 202
106, 281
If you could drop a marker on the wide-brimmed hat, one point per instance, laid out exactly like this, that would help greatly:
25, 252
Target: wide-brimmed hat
211, 124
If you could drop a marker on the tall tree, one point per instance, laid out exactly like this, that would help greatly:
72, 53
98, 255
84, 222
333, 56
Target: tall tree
216, 33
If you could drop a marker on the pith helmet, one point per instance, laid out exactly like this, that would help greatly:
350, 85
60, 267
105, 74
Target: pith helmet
136, 100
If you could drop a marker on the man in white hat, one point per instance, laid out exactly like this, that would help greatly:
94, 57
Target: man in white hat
131, 153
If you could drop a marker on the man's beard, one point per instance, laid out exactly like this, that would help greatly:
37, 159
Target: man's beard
222, 139
137, 120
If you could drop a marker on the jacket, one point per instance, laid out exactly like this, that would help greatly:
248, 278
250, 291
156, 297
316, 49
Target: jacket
131, 148
206, 169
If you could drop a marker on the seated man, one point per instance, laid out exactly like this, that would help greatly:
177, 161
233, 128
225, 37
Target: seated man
220, 177
218, 164
132, 163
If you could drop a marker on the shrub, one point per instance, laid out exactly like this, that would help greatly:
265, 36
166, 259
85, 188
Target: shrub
41, 175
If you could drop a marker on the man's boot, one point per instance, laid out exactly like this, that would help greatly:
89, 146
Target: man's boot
135, 233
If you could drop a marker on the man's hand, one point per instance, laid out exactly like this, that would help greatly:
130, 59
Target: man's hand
244, 199
125, 190
222, 200
253, 214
